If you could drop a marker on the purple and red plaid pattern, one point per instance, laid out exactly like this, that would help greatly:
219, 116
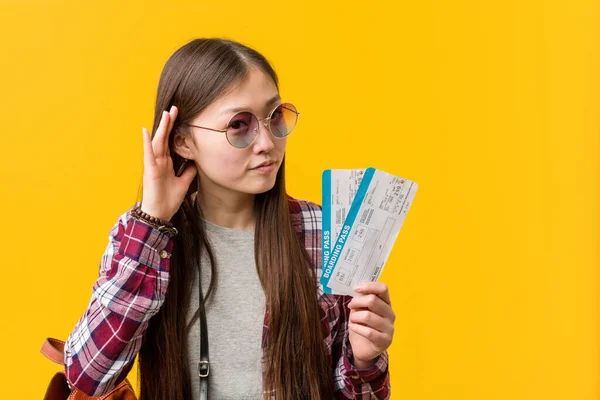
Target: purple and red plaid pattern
131, 287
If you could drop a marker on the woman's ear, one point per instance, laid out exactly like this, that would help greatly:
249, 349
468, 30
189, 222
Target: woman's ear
180, 145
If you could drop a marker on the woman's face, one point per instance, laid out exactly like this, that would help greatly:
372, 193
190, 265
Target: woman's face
222, 166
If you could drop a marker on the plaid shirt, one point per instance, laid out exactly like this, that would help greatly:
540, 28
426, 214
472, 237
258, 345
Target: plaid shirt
131, 287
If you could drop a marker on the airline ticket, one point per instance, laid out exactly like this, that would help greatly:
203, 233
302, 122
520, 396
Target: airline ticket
339, 187
357, 249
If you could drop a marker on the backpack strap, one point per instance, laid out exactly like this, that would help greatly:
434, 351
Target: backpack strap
54, 349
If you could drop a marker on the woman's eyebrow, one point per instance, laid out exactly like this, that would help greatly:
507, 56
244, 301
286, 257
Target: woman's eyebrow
271, 101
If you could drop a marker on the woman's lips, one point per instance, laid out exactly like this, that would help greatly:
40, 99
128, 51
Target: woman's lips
265, 168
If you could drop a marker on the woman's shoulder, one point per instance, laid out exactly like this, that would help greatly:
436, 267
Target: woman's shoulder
306, 215
299, 205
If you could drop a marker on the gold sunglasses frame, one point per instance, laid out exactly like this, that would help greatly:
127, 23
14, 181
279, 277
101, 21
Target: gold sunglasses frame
266, 123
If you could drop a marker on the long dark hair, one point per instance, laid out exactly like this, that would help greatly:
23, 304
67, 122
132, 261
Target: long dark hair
296, 362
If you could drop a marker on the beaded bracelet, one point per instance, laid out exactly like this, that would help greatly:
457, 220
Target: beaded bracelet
166, 227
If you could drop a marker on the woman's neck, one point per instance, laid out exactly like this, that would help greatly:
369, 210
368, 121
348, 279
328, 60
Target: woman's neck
227, 209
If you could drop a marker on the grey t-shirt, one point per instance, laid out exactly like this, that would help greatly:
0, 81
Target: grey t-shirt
234, 316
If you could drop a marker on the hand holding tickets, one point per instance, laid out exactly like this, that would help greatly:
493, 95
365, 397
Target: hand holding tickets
371, 323
363, 211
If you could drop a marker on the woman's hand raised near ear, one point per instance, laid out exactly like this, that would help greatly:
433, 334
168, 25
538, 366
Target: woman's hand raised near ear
163, 192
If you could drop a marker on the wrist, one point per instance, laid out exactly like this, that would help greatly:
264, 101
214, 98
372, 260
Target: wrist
358, 363
163, 226
159, 216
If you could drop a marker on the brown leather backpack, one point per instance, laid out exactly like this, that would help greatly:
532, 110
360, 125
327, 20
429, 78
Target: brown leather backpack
59, 389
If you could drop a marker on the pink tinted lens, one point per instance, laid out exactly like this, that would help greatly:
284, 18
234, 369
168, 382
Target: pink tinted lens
242, 129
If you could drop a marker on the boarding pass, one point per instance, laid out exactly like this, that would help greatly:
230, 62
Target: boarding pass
339, 187
363, 211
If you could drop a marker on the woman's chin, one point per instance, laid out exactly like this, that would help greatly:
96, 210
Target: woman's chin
260, 186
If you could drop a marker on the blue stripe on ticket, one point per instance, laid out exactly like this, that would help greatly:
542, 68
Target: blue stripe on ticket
326, 221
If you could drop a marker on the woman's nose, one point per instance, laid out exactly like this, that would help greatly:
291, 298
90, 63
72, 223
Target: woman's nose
264, 138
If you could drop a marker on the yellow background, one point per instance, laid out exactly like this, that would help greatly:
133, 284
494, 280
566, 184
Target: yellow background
491, 106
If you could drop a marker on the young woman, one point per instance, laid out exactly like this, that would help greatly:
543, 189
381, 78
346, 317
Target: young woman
224, 222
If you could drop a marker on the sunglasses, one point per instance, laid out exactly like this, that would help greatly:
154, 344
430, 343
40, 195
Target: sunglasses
242, 128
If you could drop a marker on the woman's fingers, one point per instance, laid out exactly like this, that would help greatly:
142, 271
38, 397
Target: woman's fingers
378, 288
188, 175
375, 304
380, 340
158, 142
172, 117
372, 320
164, 130
163, 191
149, 160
